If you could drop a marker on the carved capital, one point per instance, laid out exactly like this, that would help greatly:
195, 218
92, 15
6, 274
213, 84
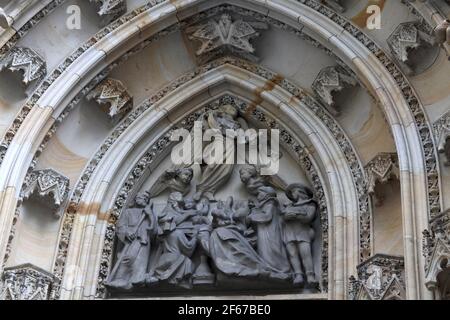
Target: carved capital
114, 95
331, 80
224, 36
441, 130
381, 170
381, 277
26, 60
407, 38
26, 282
48, 186
110, 10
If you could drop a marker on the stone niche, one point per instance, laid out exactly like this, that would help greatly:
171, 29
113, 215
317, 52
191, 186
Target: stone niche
219, 229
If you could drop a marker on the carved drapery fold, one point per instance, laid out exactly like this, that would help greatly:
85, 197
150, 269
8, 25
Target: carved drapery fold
381, 277
32, 65
226, 36
436, 250
26, 282
49, 186
114, 95
381, 170
407, 38
110, 10
331, 80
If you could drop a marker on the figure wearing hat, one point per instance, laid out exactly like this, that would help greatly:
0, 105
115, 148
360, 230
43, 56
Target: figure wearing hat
298, 232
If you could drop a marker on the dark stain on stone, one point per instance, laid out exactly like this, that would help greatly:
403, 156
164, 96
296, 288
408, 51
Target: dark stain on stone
268, 86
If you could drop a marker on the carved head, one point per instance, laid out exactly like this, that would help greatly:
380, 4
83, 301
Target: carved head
297, 191
190, 204
247, 172
142, 199
229, 110
175, 198
185, 175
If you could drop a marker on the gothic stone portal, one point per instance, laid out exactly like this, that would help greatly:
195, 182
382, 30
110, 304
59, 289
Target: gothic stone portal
180, 237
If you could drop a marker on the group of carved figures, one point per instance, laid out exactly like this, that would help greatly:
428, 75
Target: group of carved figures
194, 240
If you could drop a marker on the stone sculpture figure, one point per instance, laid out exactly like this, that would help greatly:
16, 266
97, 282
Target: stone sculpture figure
266, 217
252, 180
175, 179
178, 240
135, 229
298, 233
230, 247
215, 175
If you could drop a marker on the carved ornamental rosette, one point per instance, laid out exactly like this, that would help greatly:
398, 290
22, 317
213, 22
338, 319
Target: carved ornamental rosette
381, 277
25, 282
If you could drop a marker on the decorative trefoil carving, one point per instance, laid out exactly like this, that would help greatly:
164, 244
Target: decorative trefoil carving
329, 81
381, 170
49, 186
26, 60
381, 277
26, 282
405, 39
110, 10
226, 36
442, 134
114, 94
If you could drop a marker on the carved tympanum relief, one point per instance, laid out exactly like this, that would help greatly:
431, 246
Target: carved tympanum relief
195, 241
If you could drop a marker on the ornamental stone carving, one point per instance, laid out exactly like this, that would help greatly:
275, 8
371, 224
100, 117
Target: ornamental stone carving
381, 277
26, 282
112, 94
436, 250
381, 170
110, 10
31, 64
405, 40
442, 134
48, 186
5, 20
226, 36
329, 81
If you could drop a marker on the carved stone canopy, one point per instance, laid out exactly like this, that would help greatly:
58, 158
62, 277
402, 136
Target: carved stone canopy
26, 60
329, 81
110, 10
49, 186
405, 40
381, 277
442, 135
436, 250
114, 95
381, 170
225, 35
26, 282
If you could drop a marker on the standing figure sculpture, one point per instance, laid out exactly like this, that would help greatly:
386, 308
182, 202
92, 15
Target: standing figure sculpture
215, 175
266, 217
135, 229
298, 232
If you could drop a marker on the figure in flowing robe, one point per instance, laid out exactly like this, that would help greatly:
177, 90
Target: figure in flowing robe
230, 248
135, 230
266, 217
178, 240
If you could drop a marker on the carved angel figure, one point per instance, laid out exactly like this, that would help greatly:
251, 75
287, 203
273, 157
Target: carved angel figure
176, 180
252, 180
225, 32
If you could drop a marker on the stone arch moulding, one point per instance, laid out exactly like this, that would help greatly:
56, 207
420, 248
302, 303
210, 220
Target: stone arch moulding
407, 120
119, 167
